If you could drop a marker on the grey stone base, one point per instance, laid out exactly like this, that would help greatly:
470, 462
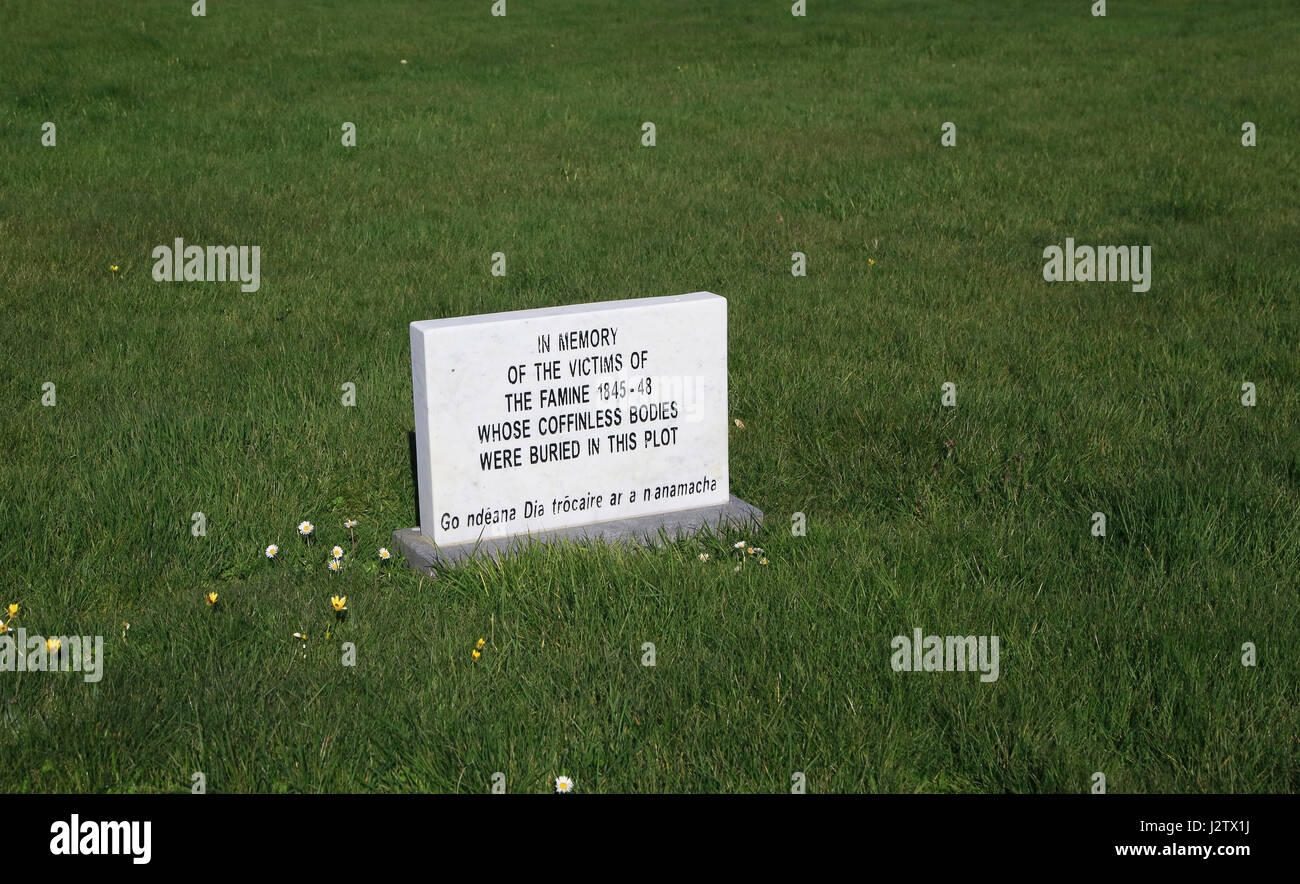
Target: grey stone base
422, 555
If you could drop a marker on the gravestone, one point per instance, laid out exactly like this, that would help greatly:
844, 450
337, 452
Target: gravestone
592, 422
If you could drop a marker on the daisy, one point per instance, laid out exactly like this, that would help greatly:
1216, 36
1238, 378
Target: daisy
739, 544
271, 551
384, 554
350, 523
563, 785
337, 552
334, 565
763, 561
305, 529
704, 557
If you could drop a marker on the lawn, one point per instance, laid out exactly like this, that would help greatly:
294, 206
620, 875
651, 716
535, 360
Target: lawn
1120, 654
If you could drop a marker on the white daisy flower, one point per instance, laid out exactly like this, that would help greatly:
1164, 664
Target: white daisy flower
739, 544
350, 523
563, 785
337, 552
305, 528
334, 564
271, 551
704, 557
384, 554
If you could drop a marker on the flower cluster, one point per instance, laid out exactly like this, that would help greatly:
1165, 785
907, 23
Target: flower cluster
335, 561
745, 550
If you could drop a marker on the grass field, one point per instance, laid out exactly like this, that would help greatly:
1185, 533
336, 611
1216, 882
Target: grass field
1120, 654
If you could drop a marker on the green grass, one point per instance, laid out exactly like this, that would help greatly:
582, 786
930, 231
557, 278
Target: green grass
775, 134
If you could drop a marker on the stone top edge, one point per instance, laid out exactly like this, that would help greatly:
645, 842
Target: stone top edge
566, 310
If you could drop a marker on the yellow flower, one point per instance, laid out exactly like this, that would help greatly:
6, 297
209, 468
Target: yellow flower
52, 645
480, 644
112, 267
477, 655
13, 610
212, 598
4, 627
339, 602
871, 260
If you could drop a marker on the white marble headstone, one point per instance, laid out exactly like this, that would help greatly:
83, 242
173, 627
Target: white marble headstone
539, 420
